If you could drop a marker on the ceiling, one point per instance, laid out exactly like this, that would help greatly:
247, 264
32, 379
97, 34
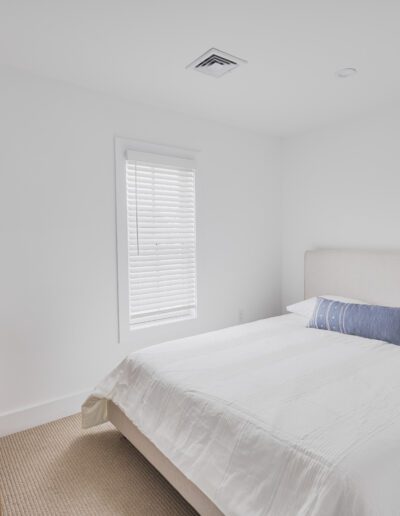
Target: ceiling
138, 50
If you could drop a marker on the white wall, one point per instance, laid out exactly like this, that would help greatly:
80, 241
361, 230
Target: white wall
58, 313
341, 188
58, 328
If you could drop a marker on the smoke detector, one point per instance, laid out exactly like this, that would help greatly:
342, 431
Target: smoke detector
216, 63
344, 73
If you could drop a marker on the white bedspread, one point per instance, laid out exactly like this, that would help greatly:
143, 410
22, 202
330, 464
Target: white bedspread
271, 417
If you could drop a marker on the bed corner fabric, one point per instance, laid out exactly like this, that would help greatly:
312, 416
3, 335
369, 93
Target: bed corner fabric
94, 412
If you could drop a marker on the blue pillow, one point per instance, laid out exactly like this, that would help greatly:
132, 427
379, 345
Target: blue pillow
370, 321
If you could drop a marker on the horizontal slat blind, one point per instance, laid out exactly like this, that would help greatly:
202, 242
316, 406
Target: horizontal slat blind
160, 196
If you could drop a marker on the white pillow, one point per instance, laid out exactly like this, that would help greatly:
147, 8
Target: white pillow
306, 307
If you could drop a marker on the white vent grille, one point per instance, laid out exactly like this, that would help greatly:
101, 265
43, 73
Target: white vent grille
215, 63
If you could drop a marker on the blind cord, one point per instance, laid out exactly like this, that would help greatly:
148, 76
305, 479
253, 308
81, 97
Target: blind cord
136, 212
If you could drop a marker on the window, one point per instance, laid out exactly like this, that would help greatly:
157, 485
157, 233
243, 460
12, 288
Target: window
156, 236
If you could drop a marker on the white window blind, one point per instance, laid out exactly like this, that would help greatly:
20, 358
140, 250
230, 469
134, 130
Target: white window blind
160, 202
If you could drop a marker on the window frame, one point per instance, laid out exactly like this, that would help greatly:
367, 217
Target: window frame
122, 147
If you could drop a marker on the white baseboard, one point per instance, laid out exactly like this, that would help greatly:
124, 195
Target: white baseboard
41, 413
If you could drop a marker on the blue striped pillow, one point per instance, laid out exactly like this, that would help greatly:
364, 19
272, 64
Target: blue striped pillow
370, 321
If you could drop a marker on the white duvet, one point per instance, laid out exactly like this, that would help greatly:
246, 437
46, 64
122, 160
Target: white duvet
271, 417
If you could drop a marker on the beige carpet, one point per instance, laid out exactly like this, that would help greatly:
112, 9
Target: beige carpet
60, 469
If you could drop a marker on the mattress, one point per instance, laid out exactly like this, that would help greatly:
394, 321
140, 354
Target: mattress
271, 417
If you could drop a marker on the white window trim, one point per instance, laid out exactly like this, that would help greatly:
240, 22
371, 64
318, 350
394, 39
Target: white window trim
122, 147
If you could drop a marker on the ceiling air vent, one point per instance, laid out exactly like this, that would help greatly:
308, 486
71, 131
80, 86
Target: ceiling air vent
215, 63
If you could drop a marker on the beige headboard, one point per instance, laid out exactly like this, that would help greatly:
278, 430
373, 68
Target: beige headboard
372, 276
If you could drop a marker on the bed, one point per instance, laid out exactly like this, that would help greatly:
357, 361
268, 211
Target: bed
272, 417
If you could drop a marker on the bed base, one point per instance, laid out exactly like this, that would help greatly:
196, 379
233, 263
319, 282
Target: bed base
197, 499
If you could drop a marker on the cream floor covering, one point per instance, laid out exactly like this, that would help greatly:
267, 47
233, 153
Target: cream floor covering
59, 469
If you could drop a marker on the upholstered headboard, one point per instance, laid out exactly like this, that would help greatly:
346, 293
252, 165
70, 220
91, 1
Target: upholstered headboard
372, 276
